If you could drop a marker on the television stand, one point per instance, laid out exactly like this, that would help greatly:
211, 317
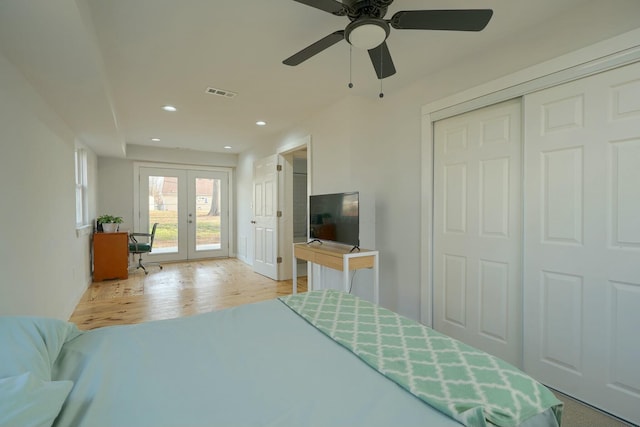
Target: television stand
338, 258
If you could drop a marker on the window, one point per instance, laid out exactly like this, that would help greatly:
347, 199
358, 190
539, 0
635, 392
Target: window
81, 187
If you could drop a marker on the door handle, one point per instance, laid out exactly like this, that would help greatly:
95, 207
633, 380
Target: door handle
253, 222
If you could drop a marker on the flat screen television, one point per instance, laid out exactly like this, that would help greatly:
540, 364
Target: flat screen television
335, 217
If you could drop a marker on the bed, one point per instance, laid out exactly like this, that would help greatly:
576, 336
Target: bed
321, 358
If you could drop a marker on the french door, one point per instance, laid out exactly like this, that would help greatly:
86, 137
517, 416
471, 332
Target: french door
191, 209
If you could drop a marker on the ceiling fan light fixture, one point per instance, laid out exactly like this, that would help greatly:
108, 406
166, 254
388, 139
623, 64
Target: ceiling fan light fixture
369, 30
367, 33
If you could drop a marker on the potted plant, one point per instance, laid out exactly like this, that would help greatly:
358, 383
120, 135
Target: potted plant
109, 223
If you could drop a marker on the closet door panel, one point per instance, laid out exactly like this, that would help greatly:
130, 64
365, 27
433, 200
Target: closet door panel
625, 180
477, 229
582, 234
561, 173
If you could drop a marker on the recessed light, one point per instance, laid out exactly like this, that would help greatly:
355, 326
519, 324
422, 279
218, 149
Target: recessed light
227, 147
169, 108
155, 139
261, 123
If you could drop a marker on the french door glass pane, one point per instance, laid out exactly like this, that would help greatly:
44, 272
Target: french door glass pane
207, 210
163, 209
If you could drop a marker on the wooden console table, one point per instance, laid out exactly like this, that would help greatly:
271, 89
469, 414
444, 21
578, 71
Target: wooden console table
337, 258
110, 256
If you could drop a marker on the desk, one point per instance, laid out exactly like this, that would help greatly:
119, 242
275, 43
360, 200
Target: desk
337, 258
110, 256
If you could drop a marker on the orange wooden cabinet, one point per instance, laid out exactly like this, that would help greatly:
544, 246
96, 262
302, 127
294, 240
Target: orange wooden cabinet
110, 256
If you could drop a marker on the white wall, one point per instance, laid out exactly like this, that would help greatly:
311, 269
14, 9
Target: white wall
44, 264
186, 157
115, 189
371, 146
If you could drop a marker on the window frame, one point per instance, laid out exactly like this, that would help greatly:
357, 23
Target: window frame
81, 187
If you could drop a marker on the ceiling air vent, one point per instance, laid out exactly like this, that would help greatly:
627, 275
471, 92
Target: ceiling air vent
221, 92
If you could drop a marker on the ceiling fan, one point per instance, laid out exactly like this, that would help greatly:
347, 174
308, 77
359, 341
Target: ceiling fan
369, 30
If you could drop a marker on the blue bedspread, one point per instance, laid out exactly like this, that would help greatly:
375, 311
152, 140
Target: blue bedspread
254, 365
257, 365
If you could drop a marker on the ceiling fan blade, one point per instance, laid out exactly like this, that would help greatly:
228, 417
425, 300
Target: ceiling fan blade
315, 48
330, 6
382, 62
447, 20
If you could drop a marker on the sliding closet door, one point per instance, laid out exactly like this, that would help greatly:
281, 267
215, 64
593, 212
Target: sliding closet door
477, 229
582, 239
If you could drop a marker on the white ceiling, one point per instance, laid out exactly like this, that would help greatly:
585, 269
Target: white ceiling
107, 66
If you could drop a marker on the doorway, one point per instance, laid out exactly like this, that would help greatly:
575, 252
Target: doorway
296, 181
297, 202
191, 207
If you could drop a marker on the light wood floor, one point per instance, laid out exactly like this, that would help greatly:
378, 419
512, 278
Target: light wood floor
179, 289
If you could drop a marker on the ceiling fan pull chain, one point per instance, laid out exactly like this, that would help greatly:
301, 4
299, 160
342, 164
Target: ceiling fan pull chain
381, 62
350, 67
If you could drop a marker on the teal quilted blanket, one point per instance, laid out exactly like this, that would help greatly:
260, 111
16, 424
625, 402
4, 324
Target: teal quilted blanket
467, 384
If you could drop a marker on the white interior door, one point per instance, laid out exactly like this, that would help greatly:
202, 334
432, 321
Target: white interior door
582, 243
265, 216
191, 209
477, 229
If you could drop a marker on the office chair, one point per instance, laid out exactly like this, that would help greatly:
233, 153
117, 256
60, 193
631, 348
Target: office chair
145, 247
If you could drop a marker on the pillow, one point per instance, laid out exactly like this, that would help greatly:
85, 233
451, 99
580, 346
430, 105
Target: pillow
27, 401
32, 344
